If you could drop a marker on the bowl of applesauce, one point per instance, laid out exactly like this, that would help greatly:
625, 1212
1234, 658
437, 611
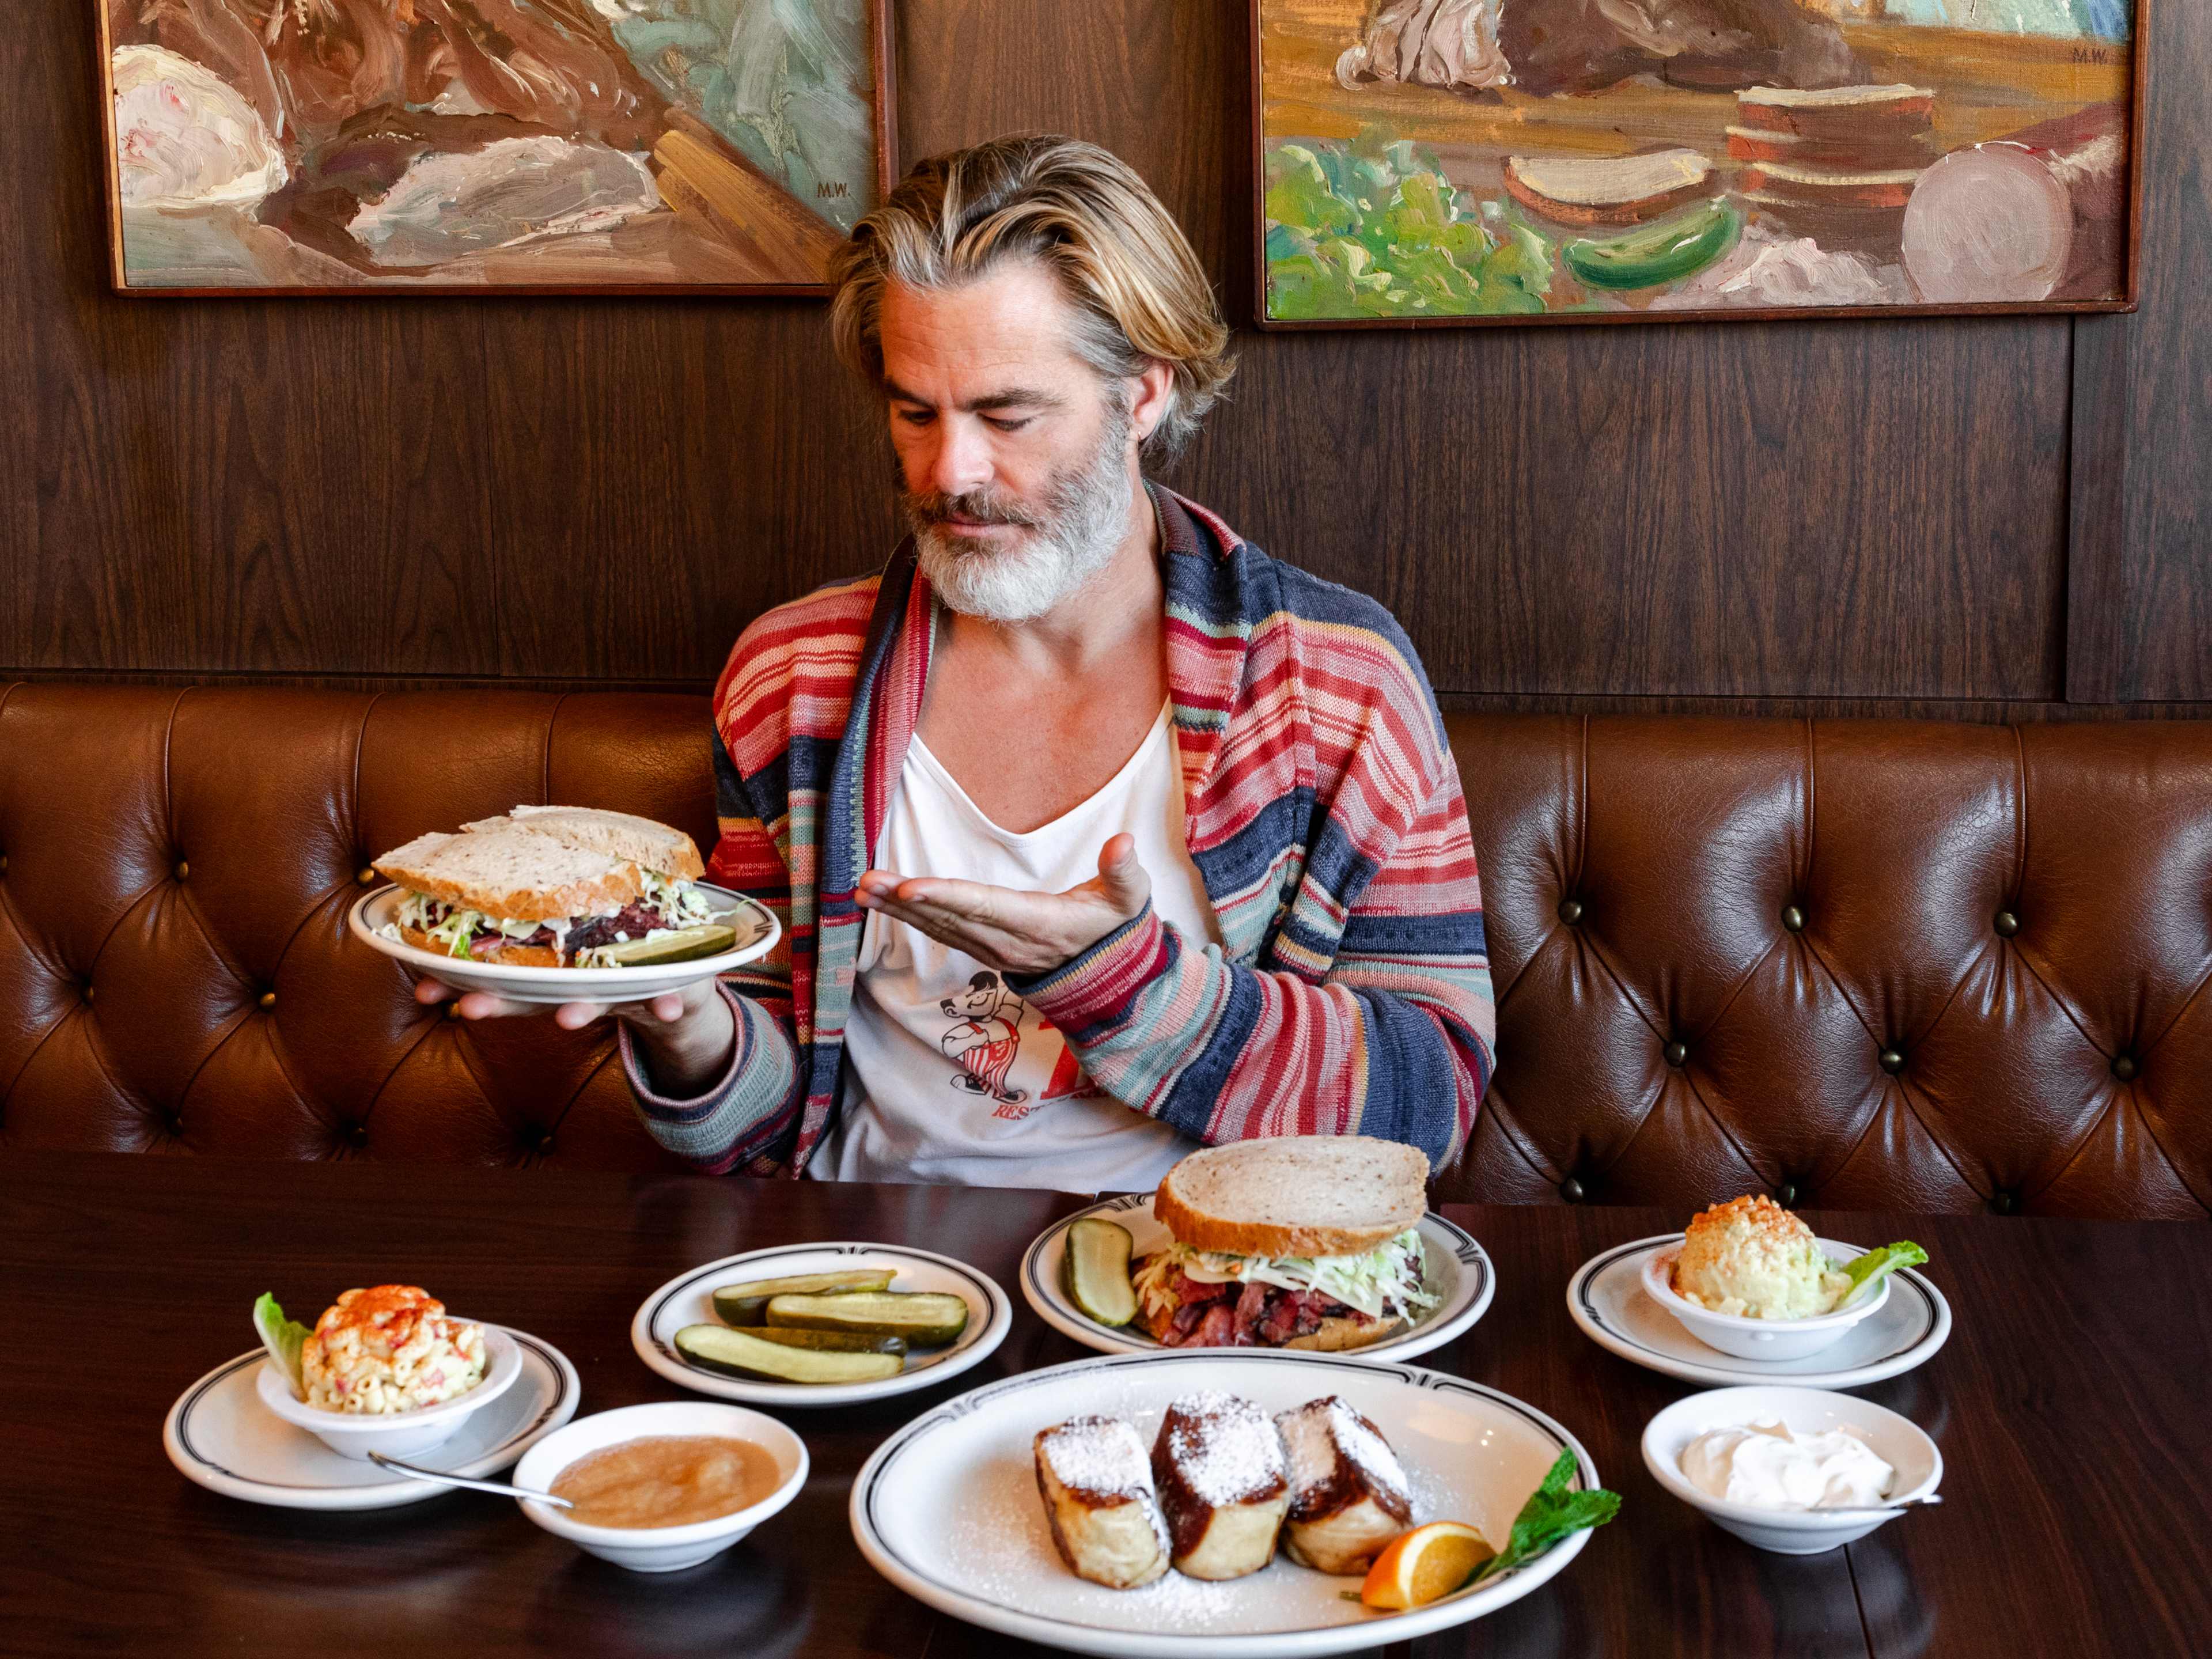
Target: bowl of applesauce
660, 1487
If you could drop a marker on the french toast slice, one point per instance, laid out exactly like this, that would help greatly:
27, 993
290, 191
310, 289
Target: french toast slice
1100, 1501
1348, 1493
1223, 1484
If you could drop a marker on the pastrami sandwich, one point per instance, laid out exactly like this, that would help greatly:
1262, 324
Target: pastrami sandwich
555, 887
1303, 1241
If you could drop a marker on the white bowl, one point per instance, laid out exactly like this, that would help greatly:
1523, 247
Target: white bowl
1897, 1440
660, 1549
1761, 1339
401, 1434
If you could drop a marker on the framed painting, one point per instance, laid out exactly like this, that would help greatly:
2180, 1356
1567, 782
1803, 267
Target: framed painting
1424, 162
271, 147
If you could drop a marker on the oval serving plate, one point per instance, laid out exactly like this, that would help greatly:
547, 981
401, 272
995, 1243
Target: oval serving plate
757, 933
948, 1508
689, 1299
1606, 1298
1458, 1271
219, 1436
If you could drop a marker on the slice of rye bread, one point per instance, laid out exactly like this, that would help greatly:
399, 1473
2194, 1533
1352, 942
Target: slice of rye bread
1337, 1335
1294, 1195
1836, 112
1819, 187
513, 873
643, 841
1872, 153
1614, 190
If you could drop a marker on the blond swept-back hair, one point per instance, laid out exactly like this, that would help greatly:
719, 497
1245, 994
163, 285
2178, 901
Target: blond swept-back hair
1124, 264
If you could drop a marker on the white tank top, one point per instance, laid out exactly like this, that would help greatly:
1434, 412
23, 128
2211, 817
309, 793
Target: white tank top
949, 1075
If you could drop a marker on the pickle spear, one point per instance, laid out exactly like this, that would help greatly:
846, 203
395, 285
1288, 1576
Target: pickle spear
828, 1341
1665, 251
682, 945
747, 1304
1097, 1271
926, 1319
744, 1353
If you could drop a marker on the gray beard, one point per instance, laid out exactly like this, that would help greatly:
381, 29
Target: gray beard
1084, 517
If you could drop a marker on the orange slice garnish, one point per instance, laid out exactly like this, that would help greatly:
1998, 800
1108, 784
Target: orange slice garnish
1422, 1566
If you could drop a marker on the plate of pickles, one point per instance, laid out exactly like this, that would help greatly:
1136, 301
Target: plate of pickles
820, 1324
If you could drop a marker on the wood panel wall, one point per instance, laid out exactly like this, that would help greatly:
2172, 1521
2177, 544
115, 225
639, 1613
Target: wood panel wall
1992, 518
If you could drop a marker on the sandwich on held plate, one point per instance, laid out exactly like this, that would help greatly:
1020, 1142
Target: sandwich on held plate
555, 887
1303, 1242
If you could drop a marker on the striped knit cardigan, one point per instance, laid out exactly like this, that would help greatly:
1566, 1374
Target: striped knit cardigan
1351, 993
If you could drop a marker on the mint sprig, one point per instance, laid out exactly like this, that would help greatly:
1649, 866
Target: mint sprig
1551, 1514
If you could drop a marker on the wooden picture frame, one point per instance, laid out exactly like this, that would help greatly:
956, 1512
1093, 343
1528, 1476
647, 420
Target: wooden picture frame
2121, 198
716, 238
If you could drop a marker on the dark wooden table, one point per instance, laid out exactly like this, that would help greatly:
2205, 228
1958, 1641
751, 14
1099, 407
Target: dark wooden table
2071, 1405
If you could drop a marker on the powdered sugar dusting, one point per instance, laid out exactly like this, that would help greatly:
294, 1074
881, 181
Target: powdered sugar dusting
960, 1505
1312, 1449
1321, 1430
1367, 1451
1225, 1447
996, 1542
1097, 1454
1003, 1545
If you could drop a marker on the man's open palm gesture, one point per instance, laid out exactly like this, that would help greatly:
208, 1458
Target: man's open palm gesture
1016, 932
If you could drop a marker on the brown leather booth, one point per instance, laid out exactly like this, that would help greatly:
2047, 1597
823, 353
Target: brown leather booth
1855, 964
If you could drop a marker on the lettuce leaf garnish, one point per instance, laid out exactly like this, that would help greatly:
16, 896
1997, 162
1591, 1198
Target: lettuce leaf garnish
1869, 1270
1375, 228
284, 1337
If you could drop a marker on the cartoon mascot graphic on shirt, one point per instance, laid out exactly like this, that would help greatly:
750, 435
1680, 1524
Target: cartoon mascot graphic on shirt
986, 1039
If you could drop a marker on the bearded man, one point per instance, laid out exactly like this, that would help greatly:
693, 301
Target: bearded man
1080, 760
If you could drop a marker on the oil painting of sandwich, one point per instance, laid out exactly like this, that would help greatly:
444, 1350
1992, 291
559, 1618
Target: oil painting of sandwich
1468, 160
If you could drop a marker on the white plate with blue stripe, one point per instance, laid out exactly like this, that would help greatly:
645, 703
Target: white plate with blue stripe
689, 1299
219, 1436
948, 1508
1456, 1270
1606, 1298
755, 924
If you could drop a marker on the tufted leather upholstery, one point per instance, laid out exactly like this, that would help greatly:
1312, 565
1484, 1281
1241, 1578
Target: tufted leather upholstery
175, 973
1907, 965
1706, 937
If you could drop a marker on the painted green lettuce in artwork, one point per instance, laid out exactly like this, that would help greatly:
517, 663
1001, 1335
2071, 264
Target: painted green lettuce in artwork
784, 81
1375, 229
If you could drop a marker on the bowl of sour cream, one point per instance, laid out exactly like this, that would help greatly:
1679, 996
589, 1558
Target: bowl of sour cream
1798, 1471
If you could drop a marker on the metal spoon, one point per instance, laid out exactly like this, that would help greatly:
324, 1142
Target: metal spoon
1901, 1505
437, 1477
